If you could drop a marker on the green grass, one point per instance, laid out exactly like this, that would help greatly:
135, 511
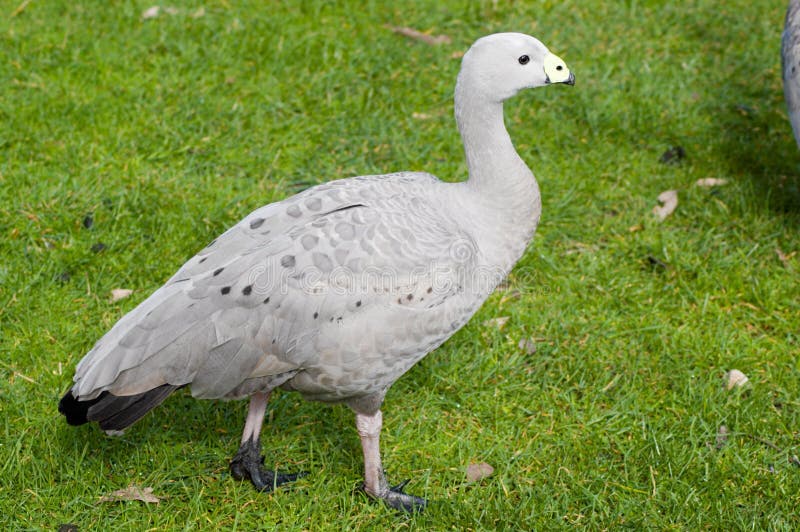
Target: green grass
171, 129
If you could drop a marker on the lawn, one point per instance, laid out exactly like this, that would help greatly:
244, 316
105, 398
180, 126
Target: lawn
128, 143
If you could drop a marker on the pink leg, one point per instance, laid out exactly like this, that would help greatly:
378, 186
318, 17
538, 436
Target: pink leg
375, 484
247, 464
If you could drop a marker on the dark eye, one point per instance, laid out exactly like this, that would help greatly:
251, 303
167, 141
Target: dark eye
523, 59
559, 67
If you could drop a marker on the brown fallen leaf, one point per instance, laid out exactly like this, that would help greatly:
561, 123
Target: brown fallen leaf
669, 199
120, 293
710, 182
498, 322
131, 493
734, 379
417, 35
476, 472
528, 345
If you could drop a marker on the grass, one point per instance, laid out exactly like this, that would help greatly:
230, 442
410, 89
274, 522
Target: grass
168, 130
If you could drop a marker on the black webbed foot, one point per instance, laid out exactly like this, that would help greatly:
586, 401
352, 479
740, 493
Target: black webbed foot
248, 464
400, 500
396, 498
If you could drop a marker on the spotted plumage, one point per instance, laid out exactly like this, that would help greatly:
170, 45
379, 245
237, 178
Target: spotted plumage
336, 291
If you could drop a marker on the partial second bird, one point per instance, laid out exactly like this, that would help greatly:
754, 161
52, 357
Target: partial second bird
337, 291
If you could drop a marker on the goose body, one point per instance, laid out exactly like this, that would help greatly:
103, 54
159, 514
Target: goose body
337, 291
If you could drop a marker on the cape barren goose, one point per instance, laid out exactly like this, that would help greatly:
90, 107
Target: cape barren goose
337, 291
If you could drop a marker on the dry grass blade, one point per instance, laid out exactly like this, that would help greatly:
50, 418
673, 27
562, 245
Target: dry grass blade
784, 257
722, 437
710, 182
417, 35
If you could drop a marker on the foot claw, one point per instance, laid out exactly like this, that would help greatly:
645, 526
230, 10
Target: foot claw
396, 498
399, 487
399, 500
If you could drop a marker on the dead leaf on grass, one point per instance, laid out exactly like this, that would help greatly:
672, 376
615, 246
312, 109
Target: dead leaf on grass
734, 379
151, 12
498, 322
120, 293
710, 182
154, 11
417, 35
669, 200
476, 472
200, 12
528, 345
132, 493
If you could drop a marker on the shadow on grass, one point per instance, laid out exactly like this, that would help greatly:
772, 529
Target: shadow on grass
758, 145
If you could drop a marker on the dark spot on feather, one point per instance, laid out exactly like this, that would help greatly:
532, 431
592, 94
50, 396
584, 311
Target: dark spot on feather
247, 289
410, 297
212, 243
358, 303
313, 204
202, 260
430, 289
316, 315
331, 318
176, 281
266, 301
225, 290
273, 340
255, 224
218, 271
399, 300
287, 261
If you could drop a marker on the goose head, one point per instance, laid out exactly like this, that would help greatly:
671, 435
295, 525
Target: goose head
498, 66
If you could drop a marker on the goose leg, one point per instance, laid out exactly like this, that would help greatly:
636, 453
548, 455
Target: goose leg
248, 462
375, 484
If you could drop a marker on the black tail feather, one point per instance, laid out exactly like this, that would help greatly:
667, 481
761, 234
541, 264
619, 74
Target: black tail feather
74, 410
113, 412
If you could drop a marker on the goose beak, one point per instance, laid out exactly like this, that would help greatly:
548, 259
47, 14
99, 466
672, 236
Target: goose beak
569, 81
556, 71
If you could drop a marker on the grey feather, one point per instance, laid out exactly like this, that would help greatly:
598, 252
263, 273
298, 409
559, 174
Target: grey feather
790, 63
336, 291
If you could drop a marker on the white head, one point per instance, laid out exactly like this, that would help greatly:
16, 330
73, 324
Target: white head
498, 66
